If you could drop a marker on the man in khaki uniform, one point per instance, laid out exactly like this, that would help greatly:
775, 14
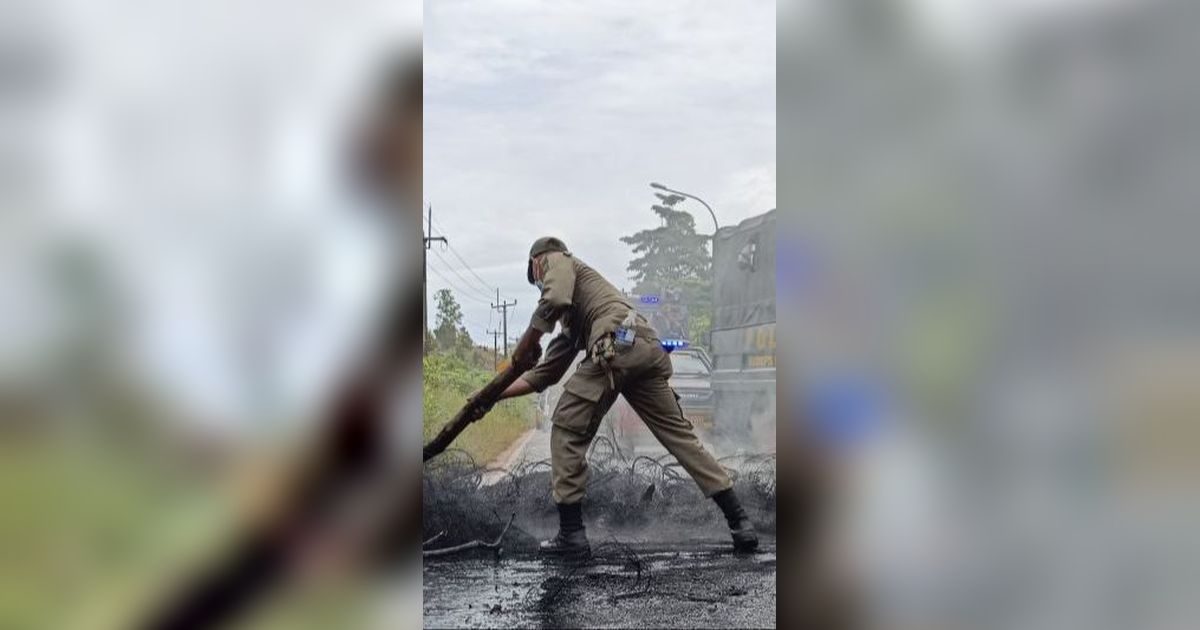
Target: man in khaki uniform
591, 310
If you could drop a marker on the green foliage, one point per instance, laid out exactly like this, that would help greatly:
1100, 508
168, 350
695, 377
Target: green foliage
99, 524
674, 259
449, 320
448, 380
670, 253
452, 372
700, 327
451, 337
463, 345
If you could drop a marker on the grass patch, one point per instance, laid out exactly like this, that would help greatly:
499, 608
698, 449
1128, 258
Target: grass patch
448, 380
100, 527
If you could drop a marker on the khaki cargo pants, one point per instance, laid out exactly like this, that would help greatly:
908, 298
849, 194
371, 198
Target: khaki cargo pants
640, 373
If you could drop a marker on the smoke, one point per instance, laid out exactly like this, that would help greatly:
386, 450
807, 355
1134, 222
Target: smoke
644, 499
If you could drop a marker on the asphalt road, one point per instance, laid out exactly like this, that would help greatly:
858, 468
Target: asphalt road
700, 584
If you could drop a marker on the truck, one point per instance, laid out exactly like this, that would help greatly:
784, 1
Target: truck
742, 342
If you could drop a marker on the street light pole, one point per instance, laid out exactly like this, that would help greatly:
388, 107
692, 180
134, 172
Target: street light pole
716, 226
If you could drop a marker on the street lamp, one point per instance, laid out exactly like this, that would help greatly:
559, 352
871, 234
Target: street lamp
716, 226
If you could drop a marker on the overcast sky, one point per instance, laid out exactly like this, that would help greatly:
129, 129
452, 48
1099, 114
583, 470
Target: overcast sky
196, 145
552, 117
193, 148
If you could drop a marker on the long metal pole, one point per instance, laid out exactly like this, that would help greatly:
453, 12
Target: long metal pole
426, 242
503, 308
716, 225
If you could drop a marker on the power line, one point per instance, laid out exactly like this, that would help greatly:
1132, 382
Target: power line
465, 288
458, 291
456, 288
465, 321
475, 325
460, 276
468, 267
472, 286
466, 281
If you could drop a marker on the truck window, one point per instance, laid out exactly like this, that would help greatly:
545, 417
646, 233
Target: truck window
688, 364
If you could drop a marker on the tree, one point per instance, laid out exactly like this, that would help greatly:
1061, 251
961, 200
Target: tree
673, 260
448, 322
463, 344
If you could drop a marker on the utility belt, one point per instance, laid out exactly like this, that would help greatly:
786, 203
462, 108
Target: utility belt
601, 347
604, 350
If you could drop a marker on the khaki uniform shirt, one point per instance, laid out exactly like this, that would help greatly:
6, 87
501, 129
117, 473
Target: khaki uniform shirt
587, 305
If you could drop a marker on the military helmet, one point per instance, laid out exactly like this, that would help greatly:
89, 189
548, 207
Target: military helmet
541, 246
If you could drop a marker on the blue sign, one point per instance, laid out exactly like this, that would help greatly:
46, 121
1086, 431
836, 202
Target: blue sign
649, 299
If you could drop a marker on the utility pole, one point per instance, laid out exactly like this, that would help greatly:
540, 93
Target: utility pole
495, 348
503, 308
427, 242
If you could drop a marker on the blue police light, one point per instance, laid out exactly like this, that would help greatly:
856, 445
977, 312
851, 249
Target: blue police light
673, 344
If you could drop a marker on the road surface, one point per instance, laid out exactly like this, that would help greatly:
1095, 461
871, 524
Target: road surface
700, 584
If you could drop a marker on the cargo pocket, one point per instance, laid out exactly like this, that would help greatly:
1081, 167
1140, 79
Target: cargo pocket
580, 399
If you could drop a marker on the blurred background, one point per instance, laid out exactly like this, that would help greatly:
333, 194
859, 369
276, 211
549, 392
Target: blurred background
988, 270
985, 272
184, 269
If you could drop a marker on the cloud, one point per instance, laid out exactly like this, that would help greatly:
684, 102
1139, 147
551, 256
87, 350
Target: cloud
749, 191
553, 117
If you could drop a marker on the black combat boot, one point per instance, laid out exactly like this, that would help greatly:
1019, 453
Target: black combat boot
744, 536
571, 540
